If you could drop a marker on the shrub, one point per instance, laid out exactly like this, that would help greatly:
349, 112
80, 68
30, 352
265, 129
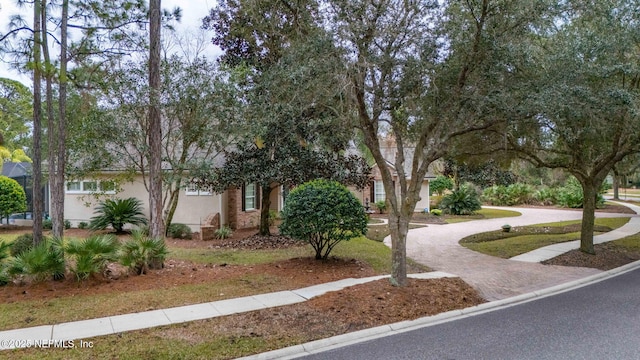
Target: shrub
179, 231
21, 244
83, 225
224, 232
514, 194
495, 195
436, 212
440, 184
142, 253
546, 196
571, 196
273, 216
323, 213
117, 213
47, 224
381, 205
92, 254
12, 197
4, 274
41, 261
519, 193
464, 201
5, 247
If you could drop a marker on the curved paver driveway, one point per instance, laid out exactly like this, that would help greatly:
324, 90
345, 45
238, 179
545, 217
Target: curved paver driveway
437, 247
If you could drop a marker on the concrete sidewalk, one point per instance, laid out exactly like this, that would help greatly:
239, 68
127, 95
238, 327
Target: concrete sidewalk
84, 329
437, 246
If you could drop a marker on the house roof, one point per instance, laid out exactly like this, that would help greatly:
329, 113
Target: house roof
16, 170
389, 155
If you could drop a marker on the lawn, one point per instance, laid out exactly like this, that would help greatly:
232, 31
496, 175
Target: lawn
61, 308
527, 238
484, 213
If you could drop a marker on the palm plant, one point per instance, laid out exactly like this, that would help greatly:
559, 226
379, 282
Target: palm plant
142, 253
41, 261
92, 254
464, 201
117, 213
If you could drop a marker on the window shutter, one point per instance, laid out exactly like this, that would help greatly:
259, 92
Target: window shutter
372, 191
258, 190
243, 193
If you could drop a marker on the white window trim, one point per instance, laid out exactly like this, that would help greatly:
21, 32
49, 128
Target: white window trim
82, 186
378, 191
193, 191
250, 196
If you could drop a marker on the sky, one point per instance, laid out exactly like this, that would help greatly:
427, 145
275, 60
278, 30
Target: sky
192, 13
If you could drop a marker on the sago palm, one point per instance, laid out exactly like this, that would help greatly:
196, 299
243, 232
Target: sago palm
118, 213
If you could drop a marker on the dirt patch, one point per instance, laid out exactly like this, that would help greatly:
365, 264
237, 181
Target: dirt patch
354, 308
351, 309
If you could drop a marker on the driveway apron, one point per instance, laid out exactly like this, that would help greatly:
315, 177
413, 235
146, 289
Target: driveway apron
437, 246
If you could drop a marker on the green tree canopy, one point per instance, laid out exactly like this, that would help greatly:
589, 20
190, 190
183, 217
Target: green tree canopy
581, 112
12, 197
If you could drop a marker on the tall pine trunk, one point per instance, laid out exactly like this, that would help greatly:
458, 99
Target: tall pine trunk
37, 200
57, 194
156, 228
57, 222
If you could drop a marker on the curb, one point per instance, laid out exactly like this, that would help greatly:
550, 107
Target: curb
339, 341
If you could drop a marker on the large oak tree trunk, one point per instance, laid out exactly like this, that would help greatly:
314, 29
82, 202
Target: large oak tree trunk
264, 210
590, 192
398, 229
616, 185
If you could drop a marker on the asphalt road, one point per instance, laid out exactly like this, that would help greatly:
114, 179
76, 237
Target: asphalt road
599, 321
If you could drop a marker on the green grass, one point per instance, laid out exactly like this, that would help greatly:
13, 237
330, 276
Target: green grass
524, 239
631, 243
206, 339
72, 308
373, 221
237, 257
194, 340
613, 222
482, 214
378, 232
623, 190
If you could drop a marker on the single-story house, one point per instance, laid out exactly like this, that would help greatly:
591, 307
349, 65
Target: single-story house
375, 192
237, 208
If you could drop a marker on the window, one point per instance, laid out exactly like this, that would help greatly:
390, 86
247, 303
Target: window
73, 186
249, 197
107, 186
192, 190
379, 194
90, 187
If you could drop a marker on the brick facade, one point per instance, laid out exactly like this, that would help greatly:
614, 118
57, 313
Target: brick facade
239, 219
